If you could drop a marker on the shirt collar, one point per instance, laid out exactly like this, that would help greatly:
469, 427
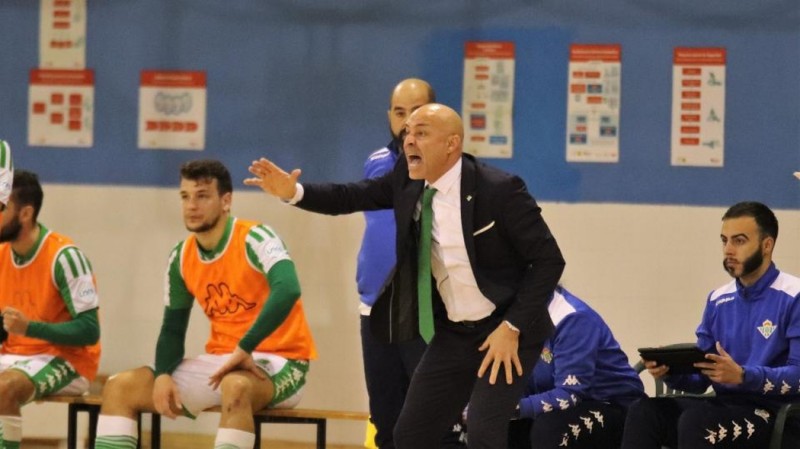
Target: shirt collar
757, 289
448, 179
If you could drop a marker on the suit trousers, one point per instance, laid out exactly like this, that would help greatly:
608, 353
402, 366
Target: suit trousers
446, 380
388, 368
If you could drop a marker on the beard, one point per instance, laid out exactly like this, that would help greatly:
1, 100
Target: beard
205, 226
11, 230
397, 139
750, 265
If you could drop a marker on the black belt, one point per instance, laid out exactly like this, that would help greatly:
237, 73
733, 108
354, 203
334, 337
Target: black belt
472, 324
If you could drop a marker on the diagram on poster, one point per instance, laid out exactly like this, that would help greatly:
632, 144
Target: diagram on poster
698, 107
593, 102
61, 108
488, 99
62, 34
172, 110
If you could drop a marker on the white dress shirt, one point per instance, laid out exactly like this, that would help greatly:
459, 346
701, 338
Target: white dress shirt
449, 260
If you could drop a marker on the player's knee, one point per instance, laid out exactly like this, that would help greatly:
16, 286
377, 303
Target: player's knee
12, 395
119, 387
236, 391
692, 426
644, 412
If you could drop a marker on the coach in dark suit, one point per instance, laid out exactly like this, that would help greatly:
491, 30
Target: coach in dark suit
494, 264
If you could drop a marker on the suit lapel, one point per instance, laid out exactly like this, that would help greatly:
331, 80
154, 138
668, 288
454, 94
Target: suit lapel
468, 194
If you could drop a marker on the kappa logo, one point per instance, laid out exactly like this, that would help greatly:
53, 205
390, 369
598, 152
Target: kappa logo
763, 414
767, 328
222, 301
571, 380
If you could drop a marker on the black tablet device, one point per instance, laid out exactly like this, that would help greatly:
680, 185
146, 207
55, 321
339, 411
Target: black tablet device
679, 358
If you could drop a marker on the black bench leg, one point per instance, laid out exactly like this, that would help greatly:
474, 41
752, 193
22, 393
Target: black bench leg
155, 431
321, 431
258, 434
139, 431
72, 427
94, 413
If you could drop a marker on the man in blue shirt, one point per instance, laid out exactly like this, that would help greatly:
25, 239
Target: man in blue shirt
750, 333
579, 391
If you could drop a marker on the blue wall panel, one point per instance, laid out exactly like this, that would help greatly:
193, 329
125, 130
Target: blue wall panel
307, 83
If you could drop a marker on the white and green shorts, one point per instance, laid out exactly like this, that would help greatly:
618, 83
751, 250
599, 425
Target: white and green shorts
191, 378
50, 375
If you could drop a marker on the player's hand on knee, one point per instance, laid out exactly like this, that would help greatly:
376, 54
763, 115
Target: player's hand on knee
166, 398
239, 360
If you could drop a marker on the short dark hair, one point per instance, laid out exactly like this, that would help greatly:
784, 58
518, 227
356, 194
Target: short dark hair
206, 170
431, 94
763, 215
27, 191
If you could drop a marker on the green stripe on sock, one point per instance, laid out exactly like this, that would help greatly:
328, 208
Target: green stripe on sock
115, 442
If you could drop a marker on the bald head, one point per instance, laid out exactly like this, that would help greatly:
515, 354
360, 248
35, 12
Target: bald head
407, 96
433, 143
444, 117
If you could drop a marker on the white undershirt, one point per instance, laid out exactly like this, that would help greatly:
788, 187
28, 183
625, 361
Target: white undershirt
449, 260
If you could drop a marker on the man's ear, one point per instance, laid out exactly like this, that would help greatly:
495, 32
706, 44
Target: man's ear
768, 244
227, 199
453, 142
26, 214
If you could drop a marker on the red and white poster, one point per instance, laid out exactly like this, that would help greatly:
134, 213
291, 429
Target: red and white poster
61, 108
172, 110
698, 107
62, 34
593, 102
488, 99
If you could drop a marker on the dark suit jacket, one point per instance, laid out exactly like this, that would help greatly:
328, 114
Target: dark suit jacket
514, 258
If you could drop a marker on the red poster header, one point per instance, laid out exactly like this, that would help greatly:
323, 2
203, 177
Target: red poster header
497, 50
62, 77
699, 56
589, 52
173, 78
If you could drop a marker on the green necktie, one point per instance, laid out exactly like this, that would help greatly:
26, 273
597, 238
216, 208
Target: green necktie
424, 266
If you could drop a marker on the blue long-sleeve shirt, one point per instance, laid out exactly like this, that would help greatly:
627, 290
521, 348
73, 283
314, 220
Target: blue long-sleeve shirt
581, 361
759, 326
377, 257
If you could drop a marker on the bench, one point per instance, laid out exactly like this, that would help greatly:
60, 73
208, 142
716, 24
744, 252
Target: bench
90, 404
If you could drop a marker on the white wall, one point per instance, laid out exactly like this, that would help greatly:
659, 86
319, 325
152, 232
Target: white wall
646, 269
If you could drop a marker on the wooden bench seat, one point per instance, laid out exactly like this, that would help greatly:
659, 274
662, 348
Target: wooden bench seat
90, 404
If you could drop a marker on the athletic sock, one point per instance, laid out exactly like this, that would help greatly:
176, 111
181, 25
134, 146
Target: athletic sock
11, 431
116, 432
234, 439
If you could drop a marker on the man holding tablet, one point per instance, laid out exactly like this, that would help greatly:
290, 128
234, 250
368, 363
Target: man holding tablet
750, 333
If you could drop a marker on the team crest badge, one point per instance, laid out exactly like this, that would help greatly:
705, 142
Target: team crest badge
767, 328
547, 356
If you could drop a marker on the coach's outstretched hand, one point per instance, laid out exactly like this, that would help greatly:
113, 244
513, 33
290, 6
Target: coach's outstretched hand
272, 179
